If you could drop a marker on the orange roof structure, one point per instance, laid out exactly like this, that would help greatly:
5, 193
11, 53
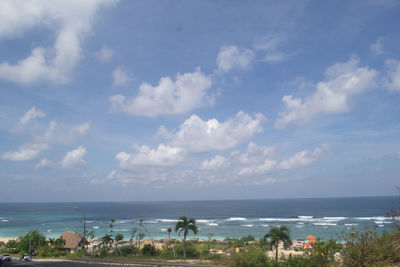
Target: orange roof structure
310, 237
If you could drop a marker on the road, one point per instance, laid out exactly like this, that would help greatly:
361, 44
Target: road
70, 263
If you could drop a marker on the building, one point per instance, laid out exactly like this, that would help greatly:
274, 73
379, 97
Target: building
73, 241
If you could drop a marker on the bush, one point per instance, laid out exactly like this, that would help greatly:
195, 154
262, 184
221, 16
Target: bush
369, 249
323, 252
191, 251
149, 250
126, 250
252, 258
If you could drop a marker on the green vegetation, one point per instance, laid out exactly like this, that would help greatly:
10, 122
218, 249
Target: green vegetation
368, 248
185, 225
277, 234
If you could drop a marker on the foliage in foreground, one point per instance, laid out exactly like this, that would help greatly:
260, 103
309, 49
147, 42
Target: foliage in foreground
370, 249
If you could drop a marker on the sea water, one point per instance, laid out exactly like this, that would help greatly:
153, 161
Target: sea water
322, 217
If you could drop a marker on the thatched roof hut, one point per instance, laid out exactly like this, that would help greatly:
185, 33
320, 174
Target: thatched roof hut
72, 240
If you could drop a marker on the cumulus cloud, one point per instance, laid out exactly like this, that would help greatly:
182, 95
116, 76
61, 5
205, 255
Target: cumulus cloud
253, 153
376, 48
392, 79
120, 77
145, 156
30, 115
331, 96
214, 163
43, 163
25, 152
74, 159
105, 54
265, 167
230, 57
61, 133
270, 46
197, 135
71, 19
188, 92
300, 159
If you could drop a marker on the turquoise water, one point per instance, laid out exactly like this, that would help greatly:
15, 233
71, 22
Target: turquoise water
324, 217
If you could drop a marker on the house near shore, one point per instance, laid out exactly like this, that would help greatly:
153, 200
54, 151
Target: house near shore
73, 241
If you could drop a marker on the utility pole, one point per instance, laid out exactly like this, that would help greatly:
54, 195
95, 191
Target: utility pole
84, 229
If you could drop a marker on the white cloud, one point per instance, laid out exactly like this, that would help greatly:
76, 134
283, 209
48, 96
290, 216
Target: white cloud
343, 81
230, 57
25, 152
197, 135
265, 167
61, 133
188, 92
43, 163
105, 54
74, 158
376, 47
215, 163
30, 115
302, 158
270, 45
266, 181
392, 79
145, 156
253, 153
71, 19
120, 77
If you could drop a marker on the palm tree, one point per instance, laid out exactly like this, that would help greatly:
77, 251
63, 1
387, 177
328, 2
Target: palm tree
184, 224
277, 234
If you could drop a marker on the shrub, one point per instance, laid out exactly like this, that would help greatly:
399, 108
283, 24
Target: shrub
191, 251
369, 249
323, 252
149, 250
126, 250
252, 258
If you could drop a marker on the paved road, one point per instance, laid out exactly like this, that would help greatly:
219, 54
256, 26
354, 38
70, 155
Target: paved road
38, 263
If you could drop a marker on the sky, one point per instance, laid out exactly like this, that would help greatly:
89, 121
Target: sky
194, 100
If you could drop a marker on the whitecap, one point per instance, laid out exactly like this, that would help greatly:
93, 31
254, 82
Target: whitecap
299, 226
168, 220
95, 227
280, 219
325, 224
378, 218
163, 230
351, 224
203, 221
247, 225
49, 230
236, 219
212, 224
305, 217
4, 220
265, 225
334, 218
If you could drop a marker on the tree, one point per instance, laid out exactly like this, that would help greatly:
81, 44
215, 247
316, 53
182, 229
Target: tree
147, 231
118, 238
185, 225
277, 234
106, 240
210, 235
132, 232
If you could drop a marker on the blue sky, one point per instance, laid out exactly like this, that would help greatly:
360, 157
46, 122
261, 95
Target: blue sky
178, 100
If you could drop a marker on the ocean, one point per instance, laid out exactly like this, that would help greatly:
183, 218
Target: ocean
322, 217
